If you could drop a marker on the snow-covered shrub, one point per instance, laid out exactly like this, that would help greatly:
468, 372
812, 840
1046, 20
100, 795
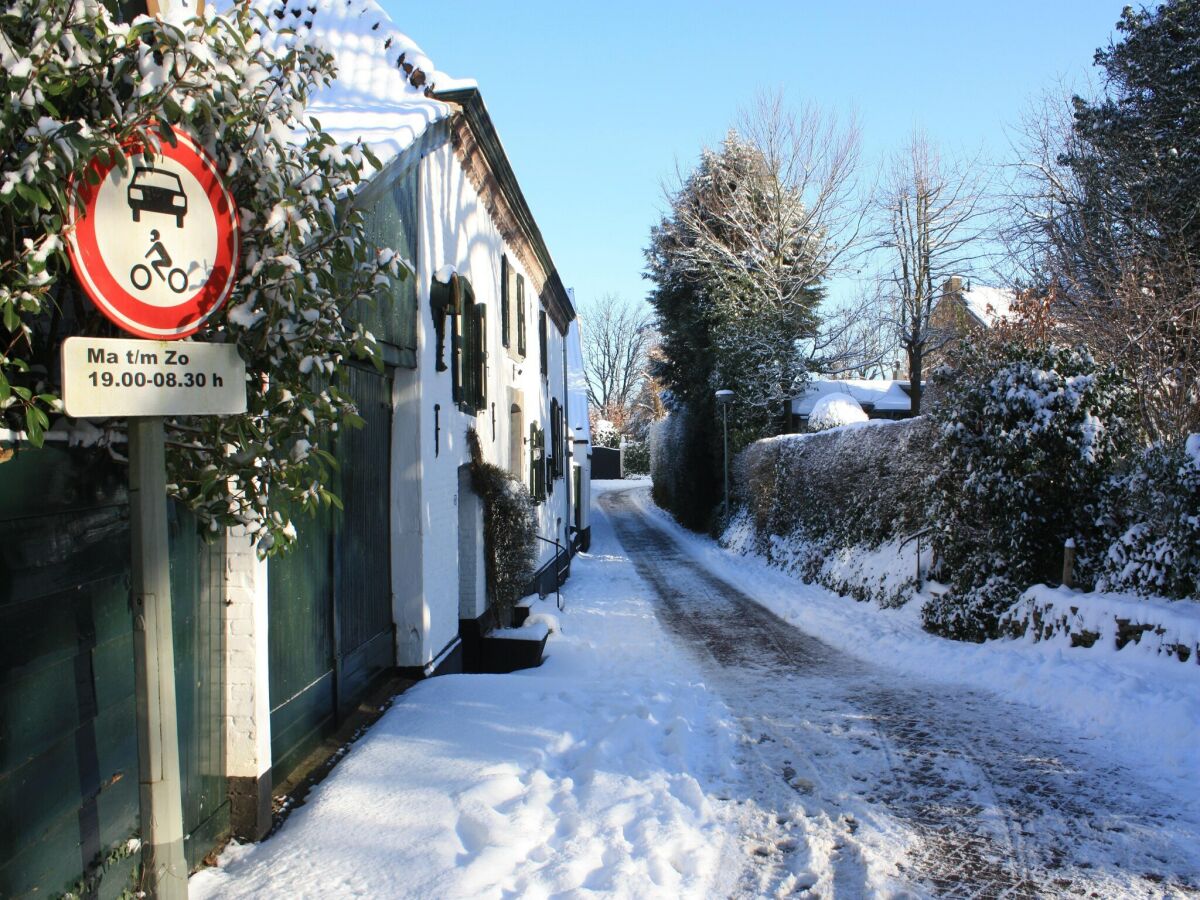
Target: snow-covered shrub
635, 458
825, 505
834, 411
605, 434
1151, 518
79, 84
509, 531
1024, 439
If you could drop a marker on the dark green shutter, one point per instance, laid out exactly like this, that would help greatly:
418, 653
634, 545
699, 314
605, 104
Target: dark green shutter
456, 338
521, 315
506, 274
537, 462
480, 356
545, 362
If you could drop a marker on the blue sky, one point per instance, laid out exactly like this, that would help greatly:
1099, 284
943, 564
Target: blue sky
597, 103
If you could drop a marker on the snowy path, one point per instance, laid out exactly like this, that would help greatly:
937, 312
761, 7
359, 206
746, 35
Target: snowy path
864, 782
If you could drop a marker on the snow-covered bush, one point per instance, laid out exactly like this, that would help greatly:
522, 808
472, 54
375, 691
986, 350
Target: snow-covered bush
821, 505
834, 411
1024, 439
79, 84
509, 531
1151, 518
635, 458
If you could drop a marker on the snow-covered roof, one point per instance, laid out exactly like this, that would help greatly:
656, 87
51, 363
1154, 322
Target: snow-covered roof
988, 305
380, 93
881, 395
577, 392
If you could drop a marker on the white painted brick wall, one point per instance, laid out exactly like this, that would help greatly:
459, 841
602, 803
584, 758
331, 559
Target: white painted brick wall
247, 684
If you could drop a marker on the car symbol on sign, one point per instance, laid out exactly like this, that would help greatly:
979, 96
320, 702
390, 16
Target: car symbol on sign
157, 191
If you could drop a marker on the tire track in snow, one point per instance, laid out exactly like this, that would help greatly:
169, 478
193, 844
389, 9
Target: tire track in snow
865, 783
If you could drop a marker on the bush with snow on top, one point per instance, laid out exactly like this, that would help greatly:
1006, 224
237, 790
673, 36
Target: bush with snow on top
1150, 516
1025, 437
834, 411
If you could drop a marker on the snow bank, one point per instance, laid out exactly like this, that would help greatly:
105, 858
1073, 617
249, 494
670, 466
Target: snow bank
1162, 628
600, 773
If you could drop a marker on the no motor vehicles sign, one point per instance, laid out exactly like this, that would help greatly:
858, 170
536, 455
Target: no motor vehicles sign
156, 246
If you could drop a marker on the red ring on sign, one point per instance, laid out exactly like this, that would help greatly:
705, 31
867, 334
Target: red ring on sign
118, 305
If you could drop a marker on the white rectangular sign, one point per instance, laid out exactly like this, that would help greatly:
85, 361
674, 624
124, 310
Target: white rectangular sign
105, 377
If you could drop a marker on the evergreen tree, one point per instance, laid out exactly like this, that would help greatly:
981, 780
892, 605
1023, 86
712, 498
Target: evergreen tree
1111, 213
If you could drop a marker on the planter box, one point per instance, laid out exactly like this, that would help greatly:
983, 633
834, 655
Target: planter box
512, 649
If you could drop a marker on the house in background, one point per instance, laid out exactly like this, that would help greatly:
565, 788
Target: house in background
963, 309
272, 657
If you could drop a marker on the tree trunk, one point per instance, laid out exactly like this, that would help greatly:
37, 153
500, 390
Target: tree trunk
915, 360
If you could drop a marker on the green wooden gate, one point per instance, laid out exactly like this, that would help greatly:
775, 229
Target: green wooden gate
68, 739
330, 617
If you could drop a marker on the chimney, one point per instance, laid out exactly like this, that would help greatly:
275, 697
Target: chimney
953, 285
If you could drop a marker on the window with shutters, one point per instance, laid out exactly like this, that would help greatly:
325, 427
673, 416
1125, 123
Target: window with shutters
537, 462
468, 347
557, 448
542, 348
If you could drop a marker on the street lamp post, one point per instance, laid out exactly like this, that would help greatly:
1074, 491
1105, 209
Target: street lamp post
725, 397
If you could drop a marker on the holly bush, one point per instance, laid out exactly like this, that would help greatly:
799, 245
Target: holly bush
1025, 437
78, 84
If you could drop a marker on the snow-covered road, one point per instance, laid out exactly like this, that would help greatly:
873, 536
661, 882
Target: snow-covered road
863, 782
681, 741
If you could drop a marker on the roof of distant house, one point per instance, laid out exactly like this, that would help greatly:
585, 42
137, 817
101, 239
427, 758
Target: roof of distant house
381, 93
988, 305
880, 394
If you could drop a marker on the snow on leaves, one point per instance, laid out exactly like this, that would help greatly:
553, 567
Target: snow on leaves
80, 84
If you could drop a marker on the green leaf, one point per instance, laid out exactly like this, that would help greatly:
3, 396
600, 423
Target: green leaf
34, 426
11, 319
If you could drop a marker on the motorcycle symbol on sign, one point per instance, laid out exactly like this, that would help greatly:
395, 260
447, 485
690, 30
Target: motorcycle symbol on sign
176, 278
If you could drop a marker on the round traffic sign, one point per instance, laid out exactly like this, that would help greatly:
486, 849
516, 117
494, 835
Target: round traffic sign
156, 245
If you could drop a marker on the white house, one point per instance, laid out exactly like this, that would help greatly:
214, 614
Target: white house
477, 339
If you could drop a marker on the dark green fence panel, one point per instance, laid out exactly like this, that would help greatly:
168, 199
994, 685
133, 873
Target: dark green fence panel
68, 741
363, 549
197, 572
330, 615
300, 642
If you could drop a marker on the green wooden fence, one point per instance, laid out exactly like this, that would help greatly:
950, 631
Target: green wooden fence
330, 615
68, 740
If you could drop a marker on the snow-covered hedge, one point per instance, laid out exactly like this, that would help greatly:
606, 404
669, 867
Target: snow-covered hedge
1118, 621
1025, 437
681, 469
1150, 516
834, 506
